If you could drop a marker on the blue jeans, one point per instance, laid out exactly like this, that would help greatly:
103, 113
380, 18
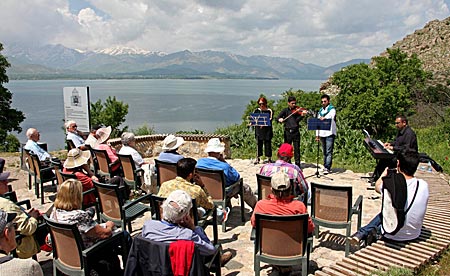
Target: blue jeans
375, 223
327, 147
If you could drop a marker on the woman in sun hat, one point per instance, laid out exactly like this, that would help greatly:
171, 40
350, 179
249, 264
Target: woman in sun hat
170, 145
103, 134
76, 163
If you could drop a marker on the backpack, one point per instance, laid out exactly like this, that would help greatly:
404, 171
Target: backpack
395, 198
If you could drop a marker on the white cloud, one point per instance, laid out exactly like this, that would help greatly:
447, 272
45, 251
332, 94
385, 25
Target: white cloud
321, 32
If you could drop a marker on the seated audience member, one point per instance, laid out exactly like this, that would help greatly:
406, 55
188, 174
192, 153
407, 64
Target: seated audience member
74, 135
285, 154
27, 223
8, 264
33, 136
2, 164
67, 209
103, 136
77, 164
129, 148
177, 224
407, 165
169, 147
188, 180
281, 202
91, 140
215, 161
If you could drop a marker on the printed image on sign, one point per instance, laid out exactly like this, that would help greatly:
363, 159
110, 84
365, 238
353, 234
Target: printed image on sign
259, 119
76, 106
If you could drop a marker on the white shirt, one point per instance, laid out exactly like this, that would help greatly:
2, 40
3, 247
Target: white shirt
330, 115
137, 158
76, 139
415, 215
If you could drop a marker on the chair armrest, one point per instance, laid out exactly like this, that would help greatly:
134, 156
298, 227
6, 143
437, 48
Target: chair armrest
253, 234
136, 201
46, 169
25, 202
139, 170
90, 191
115, 239
358, 205
240, 182
214, 257
114, 163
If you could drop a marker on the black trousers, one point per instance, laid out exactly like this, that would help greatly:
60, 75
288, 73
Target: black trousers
267, 144
292, 136
2, 164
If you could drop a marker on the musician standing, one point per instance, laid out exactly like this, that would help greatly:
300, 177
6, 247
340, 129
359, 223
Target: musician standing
405, 141
264, 134
327, 137
291, 117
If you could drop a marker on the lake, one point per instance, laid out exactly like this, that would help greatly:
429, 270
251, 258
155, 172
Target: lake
166, 105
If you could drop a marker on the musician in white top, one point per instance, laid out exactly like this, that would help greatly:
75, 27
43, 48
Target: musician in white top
327, 137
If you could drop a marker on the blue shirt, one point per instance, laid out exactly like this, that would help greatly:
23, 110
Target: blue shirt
34, 148
76, 139
171, 157
162, 231
231, 175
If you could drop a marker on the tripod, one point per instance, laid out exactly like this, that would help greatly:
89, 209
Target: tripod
316, 124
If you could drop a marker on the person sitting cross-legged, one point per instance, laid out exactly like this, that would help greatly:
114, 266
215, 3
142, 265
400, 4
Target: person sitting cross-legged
417, 200
8, 264
189, 181
215, 161
178, 224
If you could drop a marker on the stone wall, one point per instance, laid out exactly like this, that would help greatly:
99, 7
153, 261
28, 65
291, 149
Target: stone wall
151, 145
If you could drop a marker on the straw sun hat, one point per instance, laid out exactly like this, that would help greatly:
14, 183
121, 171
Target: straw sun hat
103, 134
172, 142
76, 158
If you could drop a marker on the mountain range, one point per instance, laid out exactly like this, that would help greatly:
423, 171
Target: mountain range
57, 61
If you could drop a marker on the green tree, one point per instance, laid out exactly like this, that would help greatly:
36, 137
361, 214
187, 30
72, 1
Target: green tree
111, 113
10, 118
371, 97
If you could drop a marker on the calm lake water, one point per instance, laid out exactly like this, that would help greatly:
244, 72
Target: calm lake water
166, 105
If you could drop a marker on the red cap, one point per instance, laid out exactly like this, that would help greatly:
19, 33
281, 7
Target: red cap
286, 150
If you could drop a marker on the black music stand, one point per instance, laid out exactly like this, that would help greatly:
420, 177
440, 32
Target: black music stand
317, 124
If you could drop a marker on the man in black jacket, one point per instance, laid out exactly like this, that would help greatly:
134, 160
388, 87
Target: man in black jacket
290, 117
405, 141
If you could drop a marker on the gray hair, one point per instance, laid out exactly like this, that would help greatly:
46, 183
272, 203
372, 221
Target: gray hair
126, 138
176, 206
68, 123
30, 132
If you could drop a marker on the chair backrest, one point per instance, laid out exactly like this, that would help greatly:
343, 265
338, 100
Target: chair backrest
157, 201
103, 161
29, 162
70, 144
128, 166
110, 199
36, 165
214, 181
66, 176
281, 236
66, 243
264, 186
11, 195
331, 203
165, 171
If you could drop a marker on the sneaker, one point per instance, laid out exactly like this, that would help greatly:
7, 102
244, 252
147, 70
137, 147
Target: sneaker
355, 239
326, 171
225, 258
226, 214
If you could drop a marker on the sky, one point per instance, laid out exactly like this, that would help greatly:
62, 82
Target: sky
322, 32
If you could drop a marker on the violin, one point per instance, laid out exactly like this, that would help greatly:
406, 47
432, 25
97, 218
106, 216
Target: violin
300, 110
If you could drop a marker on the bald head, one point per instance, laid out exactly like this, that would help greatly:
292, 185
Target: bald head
33, 134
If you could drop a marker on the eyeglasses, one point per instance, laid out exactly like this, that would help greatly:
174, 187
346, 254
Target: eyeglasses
325, 101
397, 123
261, 103
75, 126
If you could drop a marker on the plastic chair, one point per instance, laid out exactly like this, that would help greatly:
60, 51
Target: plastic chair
132, 176
282, 240
104, 163
69, 254
113, 207
31, 171
164, 171
43, 175
70, 144
214, 181
265, 188
331, 207
156, 203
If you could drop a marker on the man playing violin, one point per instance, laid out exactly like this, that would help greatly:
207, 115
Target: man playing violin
291, 117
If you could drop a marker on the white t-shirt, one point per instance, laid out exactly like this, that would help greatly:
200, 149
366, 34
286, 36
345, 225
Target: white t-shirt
415, 215
137, 158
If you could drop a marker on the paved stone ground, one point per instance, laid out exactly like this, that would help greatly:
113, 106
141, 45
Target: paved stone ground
328, 248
